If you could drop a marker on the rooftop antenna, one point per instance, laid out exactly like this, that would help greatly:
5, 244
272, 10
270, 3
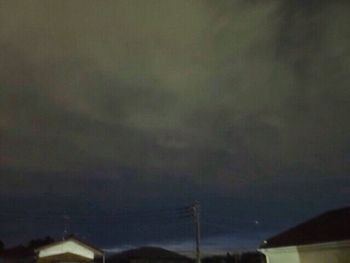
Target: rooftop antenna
66, 219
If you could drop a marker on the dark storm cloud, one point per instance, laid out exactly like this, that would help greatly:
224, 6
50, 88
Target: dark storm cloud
234, 98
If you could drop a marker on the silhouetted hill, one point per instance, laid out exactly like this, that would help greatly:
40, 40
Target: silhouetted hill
150, 254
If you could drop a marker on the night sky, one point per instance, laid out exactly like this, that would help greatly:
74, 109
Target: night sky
118, 114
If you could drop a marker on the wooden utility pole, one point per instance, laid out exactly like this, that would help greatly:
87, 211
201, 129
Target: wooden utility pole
195, 210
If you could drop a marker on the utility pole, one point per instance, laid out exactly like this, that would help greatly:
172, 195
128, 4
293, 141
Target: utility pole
195, 210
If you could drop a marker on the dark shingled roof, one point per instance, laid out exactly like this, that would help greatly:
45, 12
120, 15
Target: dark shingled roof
330, 226
146, 253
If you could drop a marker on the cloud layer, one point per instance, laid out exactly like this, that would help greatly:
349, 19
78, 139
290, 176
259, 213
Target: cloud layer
219, 97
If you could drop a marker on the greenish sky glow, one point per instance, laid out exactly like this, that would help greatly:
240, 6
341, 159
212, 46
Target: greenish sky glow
243, 101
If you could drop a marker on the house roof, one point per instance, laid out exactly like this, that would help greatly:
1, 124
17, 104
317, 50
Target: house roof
146, 253
96, 250
327, 227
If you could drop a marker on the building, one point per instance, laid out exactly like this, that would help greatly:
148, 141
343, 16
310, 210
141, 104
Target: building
148, 255
71, 249
323, 239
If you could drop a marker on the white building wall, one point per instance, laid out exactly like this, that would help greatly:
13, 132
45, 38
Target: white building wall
332, 252
281, 255
337, 253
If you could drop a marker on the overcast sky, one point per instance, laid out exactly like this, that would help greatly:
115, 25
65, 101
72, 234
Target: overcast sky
143, 105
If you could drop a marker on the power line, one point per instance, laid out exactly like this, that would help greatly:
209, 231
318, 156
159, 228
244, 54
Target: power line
147, 216
118, 214
219, 226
